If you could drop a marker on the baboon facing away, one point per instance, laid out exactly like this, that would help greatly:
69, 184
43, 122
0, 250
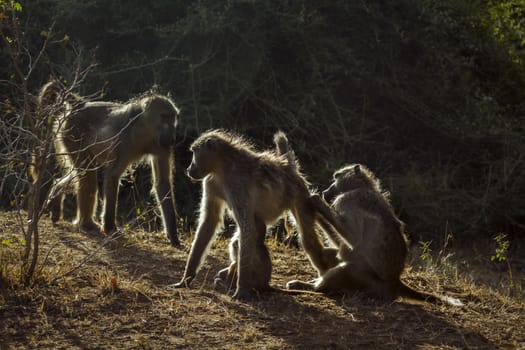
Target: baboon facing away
257, 188
53, 99
376, 259
111, 136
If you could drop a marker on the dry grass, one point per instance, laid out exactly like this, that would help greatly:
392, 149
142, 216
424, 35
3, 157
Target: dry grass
118, 299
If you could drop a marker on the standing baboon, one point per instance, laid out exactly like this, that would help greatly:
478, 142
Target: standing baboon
111, 136
258, 188
377, 257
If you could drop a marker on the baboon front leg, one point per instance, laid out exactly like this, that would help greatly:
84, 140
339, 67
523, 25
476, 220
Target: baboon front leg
212, 210
86, 201
330, 220
162, 169
311, 241
330, 256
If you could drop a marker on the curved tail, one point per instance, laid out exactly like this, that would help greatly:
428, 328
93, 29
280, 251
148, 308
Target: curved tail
50, 93
406, 291
55, 94
283, 149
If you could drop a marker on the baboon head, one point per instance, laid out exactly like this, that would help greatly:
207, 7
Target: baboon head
349, 178
161, 116
206, 156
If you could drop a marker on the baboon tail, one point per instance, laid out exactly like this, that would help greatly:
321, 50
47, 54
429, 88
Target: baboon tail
281, 142
49, 93
283, 148
406, 291
54, 93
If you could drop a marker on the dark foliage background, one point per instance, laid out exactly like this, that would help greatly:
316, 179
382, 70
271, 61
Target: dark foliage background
429, 94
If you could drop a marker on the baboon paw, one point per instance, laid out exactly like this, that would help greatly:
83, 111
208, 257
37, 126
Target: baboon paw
108, 230
292, 284
90, 227
55, 217
299, 285
184, 283
221, 285
174, 241
244, 295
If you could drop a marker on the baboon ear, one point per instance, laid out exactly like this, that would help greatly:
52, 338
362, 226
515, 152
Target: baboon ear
357, 169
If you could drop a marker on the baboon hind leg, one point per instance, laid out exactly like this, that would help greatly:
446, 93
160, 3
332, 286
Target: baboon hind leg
254, 265
351, 277
228, 276
86, 201
226, 279
264, 263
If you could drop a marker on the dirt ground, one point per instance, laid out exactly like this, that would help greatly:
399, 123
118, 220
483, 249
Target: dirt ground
89, 296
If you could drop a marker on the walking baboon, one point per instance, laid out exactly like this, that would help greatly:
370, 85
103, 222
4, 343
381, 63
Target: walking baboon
374, 262
257, 188
111, 136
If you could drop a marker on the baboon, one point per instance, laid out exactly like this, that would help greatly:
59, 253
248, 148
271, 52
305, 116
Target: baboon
257, 188
376, 259
111, 136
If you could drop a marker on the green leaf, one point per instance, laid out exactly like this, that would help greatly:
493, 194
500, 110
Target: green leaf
17, 7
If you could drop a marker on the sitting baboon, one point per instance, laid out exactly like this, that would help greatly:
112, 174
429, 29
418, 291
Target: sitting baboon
257, 188
111, 136
374, 262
